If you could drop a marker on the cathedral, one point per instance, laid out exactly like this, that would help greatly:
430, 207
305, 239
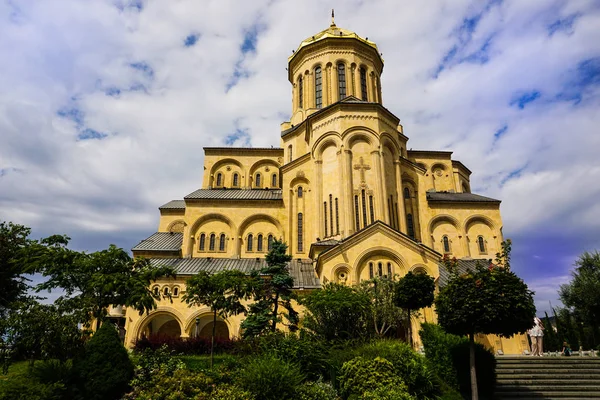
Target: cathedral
343, 190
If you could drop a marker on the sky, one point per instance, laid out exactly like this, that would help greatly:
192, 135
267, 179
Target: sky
105, 106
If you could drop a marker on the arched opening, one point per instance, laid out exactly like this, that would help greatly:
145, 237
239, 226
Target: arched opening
162, 324
235, 182
219, 179
318, 88
221, 330
341, 72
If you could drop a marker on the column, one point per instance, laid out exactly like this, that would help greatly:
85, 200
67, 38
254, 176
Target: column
319, 197
351, 84
342, 193
370, 94
380, 195
400, 194
357, 89
348, 194
326, 71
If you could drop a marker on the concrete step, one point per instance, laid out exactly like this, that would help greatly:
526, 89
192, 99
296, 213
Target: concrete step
525, 394
534, 376
548, 382
542, 388
577, 366
545, 370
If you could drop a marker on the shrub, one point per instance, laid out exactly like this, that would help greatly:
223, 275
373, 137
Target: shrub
182, 384
269, 378
449, 357
361, 375
105, 369
230, 392
387, 393
198, 345
23, 387
56, 374
151, 363
316, 391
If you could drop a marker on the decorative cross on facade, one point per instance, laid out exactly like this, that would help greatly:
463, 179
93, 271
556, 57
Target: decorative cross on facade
362, 167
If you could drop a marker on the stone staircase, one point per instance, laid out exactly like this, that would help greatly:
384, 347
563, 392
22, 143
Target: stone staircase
549, 377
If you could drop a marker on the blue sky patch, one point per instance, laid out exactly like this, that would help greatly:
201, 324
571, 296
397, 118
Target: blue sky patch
191, 39
235, 137
113, 92
500, 132
250, 38
143, 67
88, 133
522, 99
136, 5
563, 25
74, 114
513, 174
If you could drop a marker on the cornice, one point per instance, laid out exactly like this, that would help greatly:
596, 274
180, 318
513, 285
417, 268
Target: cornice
297, 162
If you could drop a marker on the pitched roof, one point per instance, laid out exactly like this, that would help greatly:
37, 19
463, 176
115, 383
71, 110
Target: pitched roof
161, 241
464, 265
235, 194
302, 270
328, 242
173, 205
459, 197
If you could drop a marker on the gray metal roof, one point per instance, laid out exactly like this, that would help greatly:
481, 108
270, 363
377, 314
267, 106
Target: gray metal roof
235, 194
459, 197
173, 205
464, 266
161, 241
278, 149
302, 270
328, 242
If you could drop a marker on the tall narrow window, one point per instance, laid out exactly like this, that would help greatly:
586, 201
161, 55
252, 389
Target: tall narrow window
274, 181
300, 93
259, 243
300, 190
249, 243
371, 209
446, 244
337, 217
379, 269
325, 214
211, 244
236, 180
318, 88
331, 213
392, 215
300, 233
341, 69
270, 242
202, 242
290, 153
356, 214
222, 242
363, 84
389, 270
397, 217
481, 244
219, 179
410, 226
364, 208
390, 212
370, 270
406, 193
257, 182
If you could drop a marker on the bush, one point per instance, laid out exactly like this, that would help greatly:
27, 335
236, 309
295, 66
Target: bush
449, 357
182, 384
270, 378
316, 391
23, 387
229, 392
199, 345
361, 375
105, 369
152, 363
387, 393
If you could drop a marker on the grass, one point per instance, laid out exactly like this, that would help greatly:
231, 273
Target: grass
15, 370
199, 363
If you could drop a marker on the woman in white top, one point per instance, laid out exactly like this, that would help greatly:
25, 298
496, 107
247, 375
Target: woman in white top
537, 335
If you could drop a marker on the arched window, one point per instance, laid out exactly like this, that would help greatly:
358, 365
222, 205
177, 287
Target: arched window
364, 208
259, 243
202, 242
379, 269
337, 217
235, 180
222, 242
370, 270
363, 84
410, 225
325, 216
406, 193
446, 242
300, 233
257, 181
211, 243
300, 93
219, 179
270, 243
290, 153
371, 210
274, 181
389, 270
341, 70
156, 290
175, 291
300, 191
481, 243
331, 213
249, 243
356, 214
318, 88
166, 291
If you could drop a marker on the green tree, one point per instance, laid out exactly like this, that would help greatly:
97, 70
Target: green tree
13, 285
337, 312
414, 292
93, 282
488, 300
222, 292
383, 311
582, 294
270, 288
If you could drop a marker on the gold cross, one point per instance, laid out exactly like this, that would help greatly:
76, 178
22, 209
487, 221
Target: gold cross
362, 167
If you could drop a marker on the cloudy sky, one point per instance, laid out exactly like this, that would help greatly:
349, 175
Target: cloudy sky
105, 106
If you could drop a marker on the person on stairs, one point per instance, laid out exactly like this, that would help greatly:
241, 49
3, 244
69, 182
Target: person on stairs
566, 351
537, 335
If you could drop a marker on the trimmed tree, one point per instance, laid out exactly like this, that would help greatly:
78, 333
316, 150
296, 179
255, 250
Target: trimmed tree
488, 300
414, 292
384, 312
222, 292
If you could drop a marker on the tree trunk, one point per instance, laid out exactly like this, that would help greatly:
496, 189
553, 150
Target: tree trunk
212, 339
274, 327
474, 394
409, 329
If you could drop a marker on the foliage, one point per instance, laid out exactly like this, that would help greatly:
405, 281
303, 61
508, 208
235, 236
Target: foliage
337, 312
387, 393
383, 312
154, 362
230, 392
13, 285
316, 391
582, 294
419, 377
448, 355
105, 368
270, 378
25, 388
222, 292
199, 345
270, 288
361, 375
180, 385
413, 292
93, 282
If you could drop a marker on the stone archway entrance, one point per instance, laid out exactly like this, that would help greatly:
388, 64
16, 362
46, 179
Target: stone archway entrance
203, 327
221, 330
162, 324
